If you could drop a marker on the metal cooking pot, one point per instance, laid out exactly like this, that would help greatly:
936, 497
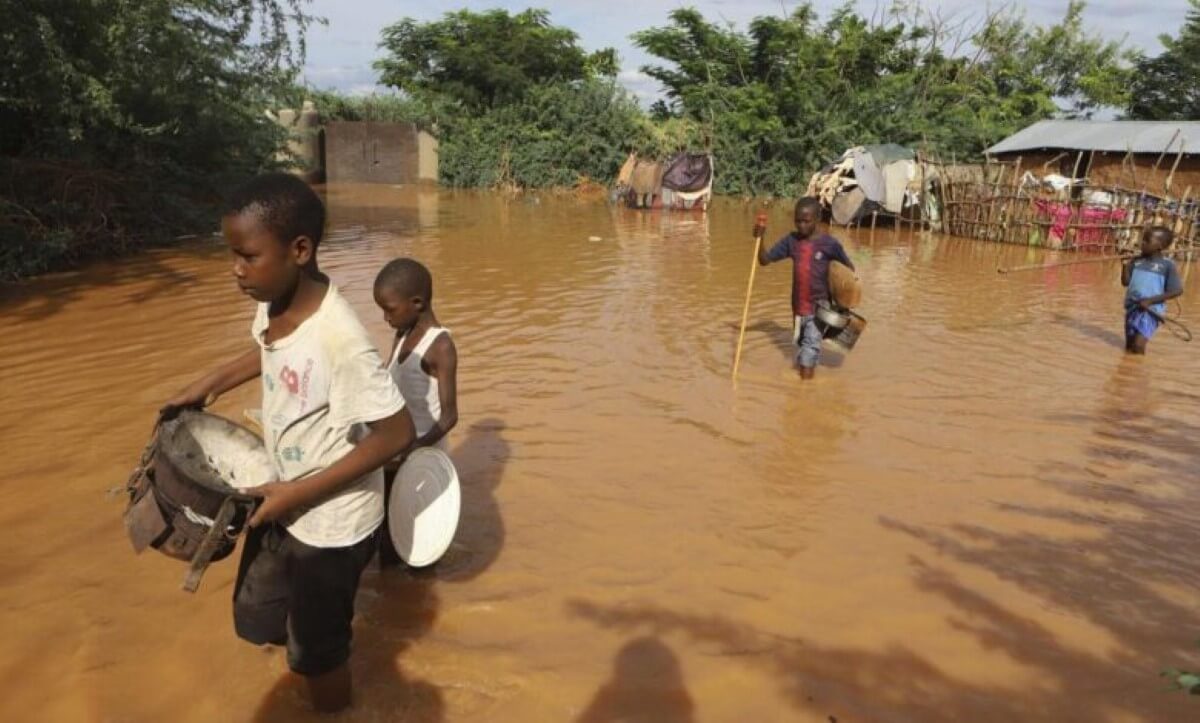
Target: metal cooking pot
832, 318
185, 497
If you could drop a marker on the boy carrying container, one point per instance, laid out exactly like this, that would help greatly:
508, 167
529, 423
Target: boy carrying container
331, 418
423, 362
810, 254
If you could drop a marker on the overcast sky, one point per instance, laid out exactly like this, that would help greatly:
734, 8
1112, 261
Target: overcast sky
340, 54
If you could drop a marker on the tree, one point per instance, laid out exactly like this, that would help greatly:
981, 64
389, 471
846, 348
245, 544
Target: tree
792, 92
1167, 87
488, 59
121, 119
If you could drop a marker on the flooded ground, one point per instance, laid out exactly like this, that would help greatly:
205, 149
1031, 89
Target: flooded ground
985, 512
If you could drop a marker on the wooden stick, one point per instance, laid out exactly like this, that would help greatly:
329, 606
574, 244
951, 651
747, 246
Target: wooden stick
1074, 173
760, 227
1171, 175
1072, 262
1167, 147
1008, 234
1056, 159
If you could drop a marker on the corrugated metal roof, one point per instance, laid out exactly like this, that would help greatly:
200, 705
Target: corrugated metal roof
1118, 136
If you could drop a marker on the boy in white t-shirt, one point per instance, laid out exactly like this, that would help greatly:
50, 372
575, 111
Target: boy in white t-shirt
332, 417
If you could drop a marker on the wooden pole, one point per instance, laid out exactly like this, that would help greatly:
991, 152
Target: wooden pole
1175, 165
1072, 262
1071, 231
1056, 159
1167, 148
991, 209
1009, 232
760, 227
1177, 227
1075, 172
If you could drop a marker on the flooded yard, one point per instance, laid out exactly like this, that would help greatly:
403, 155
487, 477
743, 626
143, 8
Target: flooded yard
985, 512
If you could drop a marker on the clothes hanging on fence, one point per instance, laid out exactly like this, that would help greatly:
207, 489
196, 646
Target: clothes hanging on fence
1062, 216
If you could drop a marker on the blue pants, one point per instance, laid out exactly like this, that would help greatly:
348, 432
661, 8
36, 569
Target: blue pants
808, 337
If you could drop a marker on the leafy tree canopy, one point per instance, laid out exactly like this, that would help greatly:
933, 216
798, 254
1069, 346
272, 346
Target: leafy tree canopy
1167, 87
486, 59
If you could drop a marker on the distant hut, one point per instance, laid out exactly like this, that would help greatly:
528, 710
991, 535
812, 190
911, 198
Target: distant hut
1076, 184
1150, 156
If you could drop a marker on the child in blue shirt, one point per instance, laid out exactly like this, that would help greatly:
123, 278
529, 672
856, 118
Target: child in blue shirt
1151, 279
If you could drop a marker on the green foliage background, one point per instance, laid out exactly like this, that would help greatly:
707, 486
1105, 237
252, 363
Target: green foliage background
121, 121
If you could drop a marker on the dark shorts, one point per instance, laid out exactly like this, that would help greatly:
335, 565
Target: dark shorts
289, 593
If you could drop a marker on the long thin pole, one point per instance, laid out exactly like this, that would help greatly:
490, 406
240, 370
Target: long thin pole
760, 227
1072, 262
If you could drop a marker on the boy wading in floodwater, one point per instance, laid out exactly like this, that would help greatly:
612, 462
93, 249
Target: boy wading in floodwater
331, 417
811, 255
423, 362
1152, 279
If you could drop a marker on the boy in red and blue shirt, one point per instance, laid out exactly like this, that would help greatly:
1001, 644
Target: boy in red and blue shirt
810, 253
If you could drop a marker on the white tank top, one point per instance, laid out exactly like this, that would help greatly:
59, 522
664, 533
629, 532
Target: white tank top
420, 390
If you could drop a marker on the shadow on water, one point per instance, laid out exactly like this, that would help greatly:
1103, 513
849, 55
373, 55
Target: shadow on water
782, 339
1135, 499
480, 459
646, 685
399, 606
40, 298
893, 682
1127, 576
1100, 333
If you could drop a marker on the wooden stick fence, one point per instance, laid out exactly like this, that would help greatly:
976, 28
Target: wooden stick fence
997, 202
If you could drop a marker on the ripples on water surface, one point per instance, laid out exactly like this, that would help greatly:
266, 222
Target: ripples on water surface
986, 512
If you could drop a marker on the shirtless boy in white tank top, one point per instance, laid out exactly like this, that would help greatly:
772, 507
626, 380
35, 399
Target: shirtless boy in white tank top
423, 360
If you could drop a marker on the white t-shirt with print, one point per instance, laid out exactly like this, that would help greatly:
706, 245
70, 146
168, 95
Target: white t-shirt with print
321, 383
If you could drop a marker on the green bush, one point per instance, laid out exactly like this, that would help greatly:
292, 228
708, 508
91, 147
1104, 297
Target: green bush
556, 135
121, 121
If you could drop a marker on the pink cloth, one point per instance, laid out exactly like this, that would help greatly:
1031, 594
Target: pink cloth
1056, 211
1062, 216
1091, 215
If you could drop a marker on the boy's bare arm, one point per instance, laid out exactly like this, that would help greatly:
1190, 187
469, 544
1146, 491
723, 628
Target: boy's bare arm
1126, 272
387, 438
208, 388
1149, 301
442, 359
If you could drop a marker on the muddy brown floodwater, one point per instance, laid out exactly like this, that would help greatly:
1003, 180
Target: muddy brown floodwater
985, 512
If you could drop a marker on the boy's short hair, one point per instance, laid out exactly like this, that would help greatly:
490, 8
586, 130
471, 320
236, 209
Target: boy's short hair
1165, 231
808, 202
407, 277
286, 206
